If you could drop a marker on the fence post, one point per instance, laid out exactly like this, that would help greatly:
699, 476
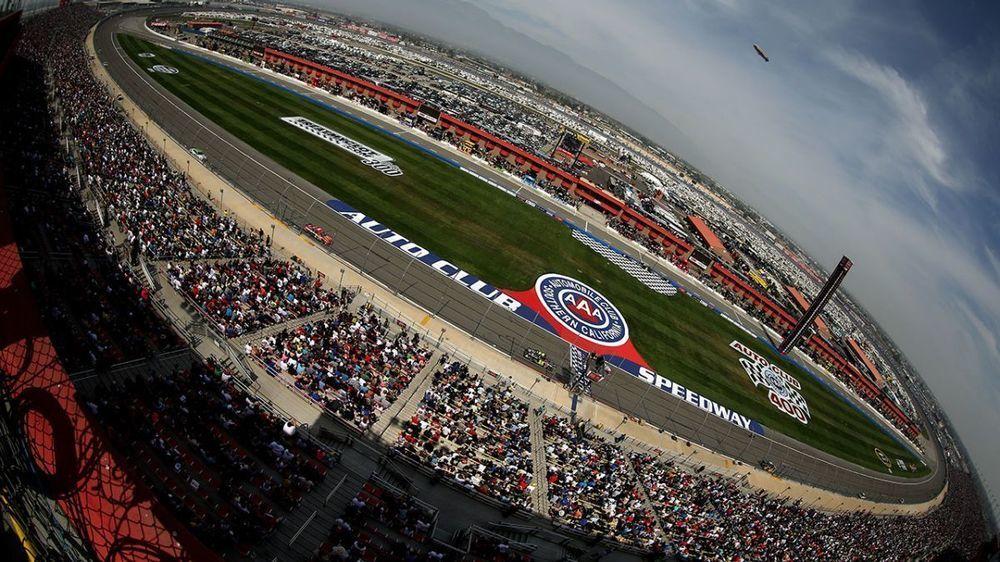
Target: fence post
526, 333
402, 278
750, 442
364, 263
697, 431
488, 308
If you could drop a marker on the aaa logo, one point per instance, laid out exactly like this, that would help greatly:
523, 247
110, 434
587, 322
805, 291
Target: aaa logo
582, 310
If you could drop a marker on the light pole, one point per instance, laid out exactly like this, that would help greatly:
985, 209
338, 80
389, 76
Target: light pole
341, 271
272, 233
221, 193
189, 167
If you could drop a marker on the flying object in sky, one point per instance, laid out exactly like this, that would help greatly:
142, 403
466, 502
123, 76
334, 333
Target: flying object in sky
761, 52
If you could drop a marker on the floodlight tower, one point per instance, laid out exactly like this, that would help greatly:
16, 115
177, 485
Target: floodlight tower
816, 306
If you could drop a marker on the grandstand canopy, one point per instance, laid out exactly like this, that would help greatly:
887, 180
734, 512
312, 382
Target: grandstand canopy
803, 305
710, 238
860, 354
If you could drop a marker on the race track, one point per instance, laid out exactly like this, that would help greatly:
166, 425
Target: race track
298, 202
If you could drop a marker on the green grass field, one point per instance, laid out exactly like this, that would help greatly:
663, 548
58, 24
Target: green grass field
443, 209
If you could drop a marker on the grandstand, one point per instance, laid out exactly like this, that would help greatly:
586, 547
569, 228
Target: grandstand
178, 385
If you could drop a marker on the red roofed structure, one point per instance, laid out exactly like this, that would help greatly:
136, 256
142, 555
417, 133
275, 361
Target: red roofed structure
709, 238
320, 75
860, 354
201, 24
803, 305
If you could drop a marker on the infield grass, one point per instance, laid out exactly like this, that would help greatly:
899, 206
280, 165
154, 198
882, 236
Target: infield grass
508, 244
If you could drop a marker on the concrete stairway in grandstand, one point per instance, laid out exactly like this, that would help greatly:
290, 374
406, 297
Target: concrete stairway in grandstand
540, 485
629, 265
645, 498
303, 529
393, 418
289, 325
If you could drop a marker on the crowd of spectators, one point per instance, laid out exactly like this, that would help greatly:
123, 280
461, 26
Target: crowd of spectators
228, 468
592, 487
245, 296
475, 434
153, 204
96, 312
599, 487
350, 363
382, 523
715, 518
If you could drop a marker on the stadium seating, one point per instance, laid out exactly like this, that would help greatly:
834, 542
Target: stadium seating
222, 462
245, 296
475, 434
349, 363
382, 523
592, 487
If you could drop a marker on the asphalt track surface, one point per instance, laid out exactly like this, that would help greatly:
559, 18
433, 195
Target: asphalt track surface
298, 202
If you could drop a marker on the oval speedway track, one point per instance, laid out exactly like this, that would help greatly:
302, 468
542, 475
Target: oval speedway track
299, 202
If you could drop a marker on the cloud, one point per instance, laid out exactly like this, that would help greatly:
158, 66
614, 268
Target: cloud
993, 260
987, 335
911, 131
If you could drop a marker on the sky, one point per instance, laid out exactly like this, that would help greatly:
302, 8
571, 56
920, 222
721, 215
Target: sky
873, 132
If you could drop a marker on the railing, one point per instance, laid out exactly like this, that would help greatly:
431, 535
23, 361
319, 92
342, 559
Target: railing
144, 266
44, 529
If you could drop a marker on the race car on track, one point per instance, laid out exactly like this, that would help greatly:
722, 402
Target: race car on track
319, 234
199, 154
